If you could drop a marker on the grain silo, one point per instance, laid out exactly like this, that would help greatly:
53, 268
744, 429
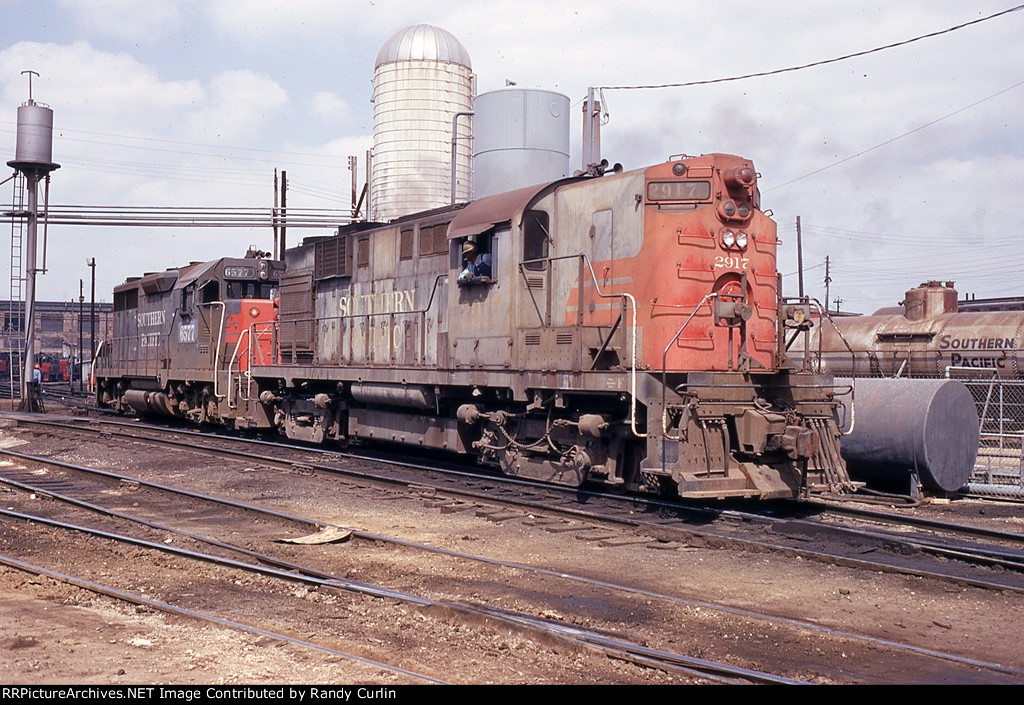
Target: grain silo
422, 80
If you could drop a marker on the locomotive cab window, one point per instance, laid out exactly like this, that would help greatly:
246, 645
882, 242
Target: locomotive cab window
476, 258
210, 292
187, 299
536, 239
251, 290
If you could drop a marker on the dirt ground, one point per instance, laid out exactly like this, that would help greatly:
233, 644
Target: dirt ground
54, 633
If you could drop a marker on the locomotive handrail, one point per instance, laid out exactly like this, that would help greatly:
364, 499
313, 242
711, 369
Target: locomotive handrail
231, 362
216, 354
664, 372
584, 259
97, 354
133, 356
268, 333
254, 340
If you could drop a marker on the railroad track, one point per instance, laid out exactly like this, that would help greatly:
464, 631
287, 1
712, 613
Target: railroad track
955, 553
622, 648
268, 565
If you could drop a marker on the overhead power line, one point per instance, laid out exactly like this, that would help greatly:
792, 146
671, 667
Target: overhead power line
823, 62
897, 137
190, 217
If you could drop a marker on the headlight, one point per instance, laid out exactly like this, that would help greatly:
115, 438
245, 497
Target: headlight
741, 239
743, 210
729, 209
728, 238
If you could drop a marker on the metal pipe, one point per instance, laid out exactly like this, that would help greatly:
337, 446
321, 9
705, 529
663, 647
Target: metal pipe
29, 358
46, 221
455, 137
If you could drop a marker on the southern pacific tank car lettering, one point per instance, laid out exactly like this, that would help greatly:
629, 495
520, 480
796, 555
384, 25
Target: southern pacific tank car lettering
625, 333
925, 337
184, 340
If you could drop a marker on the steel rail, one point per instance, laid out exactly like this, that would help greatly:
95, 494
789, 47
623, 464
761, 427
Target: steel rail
272, 560
204, 616
921, 522
619, 648
631, 520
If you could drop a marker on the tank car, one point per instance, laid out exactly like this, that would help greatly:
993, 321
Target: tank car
184, 340
926, 336
627, 333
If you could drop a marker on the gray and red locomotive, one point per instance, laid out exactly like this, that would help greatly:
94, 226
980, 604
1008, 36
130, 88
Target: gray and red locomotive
628, 334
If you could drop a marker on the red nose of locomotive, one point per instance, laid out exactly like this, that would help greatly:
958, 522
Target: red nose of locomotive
711, 256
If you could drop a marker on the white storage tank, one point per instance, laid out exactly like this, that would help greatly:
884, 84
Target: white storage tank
423, 77
35, 135
521, 137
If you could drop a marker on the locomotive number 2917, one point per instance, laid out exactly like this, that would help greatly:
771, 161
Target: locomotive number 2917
731, 262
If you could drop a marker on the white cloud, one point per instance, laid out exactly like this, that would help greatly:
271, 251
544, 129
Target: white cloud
93, 89
132, 19
331, 108
288, 19
239, 104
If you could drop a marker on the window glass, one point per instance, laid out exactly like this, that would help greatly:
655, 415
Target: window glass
363, 253
405, 244
536, 236
250, 290
210, 292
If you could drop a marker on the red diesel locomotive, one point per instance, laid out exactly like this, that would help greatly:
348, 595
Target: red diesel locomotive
620, 329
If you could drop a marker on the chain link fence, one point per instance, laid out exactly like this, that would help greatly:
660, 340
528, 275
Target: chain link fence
999, 469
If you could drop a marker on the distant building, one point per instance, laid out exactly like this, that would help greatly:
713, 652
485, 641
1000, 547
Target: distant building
57, 327
1007, 303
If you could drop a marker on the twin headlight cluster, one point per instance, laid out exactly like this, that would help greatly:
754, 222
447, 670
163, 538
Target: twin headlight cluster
731, 210
734, 239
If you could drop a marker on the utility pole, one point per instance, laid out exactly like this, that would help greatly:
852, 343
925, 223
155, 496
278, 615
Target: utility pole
828, 280
800, 257
353, 166
591, 130
274, 216
81, 333
284, 212
92, 317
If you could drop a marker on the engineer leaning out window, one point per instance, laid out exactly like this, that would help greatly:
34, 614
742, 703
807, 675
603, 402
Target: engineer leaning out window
476, 264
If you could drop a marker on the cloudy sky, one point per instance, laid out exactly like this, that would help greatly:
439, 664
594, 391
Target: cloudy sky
904, 165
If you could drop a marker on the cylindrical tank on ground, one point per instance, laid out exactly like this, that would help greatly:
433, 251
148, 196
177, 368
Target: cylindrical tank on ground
35, 135
902, 426
423, 77
521, 137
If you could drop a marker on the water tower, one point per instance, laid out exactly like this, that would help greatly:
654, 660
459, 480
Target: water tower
33, 157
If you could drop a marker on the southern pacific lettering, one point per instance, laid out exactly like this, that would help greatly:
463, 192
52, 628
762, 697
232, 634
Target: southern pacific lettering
958, 360
947, 342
